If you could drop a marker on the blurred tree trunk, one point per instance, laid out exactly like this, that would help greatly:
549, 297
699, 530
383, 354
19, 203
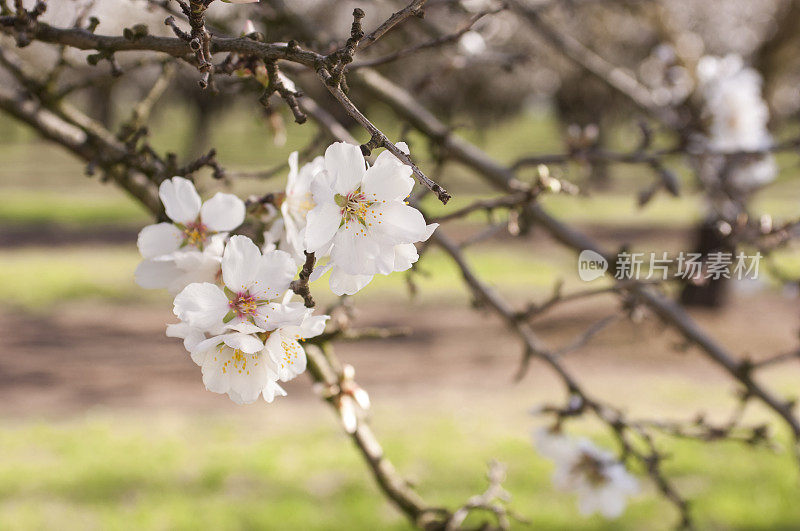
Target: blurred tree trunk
712, 293
206, 109
101, 101
574, 103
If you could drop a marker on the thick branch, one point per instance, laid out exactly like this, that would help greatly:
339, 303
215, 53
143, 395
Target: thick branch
102, 149
86, 40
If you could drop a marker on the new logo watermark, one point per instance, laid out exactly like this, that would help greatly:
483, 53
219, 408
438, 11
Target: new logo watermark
693, 267
591, 265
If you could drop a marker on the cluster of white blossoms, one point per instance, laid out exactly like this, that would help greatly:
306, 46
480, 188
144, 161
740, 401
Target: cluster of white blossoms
601, 483
738, 115
352, 216
233, 299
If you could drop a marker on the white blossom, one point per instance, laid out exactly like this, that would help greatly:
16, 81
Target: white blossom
360, 218
287, 232
738, 116
601, 483
189, 249
251, 284
298, 202
245, 361
177, 270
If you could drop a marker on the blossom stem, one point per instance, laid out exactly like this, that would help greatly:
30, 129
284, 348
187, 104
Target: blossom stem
300, 286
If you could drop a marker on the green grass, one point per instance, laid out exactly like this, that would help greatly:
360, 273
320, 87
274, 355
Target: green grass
37, 278
210, 472
28, 207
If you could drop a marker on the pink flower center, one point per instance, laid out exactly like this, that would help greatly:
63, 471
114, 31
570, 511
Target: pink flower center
244, 304
354, 206
195, 234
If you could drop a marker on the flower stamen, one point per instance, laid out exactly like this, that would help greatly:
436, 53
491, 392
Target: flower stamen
354, 206
242, 304
195, 234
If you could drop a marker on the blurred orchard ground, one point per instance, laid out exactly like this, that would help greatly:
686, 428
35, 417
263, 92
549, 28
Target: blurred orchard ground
104, 423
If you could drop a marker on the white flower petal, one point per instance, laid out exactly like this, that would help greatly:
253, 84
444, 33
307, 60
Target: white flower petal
278, 315
159, 239
313, 326
194, 267
223, 212
214, 378
179, 330
276, 269
215, 245
271, 390
244, 342
342, 283
209, 344
321, 226
309, 173
429, 231
287, 297
180, 198
612, 502
243, 376
384, 261
290, 179
346, 164
201, 305
288, 356
191, 336
399, 223
246, 327
318, 271
240, 263
405, 255
322, 187
273, 236
388, 179
589, 503
354, 250
555, 446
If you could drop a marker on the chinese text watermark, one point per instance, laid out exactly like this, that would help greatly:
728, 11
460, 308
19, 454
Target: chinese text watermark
659, 266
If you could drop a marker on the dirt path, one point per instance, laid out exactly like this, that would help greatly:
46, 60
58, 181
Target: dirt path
84, 356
